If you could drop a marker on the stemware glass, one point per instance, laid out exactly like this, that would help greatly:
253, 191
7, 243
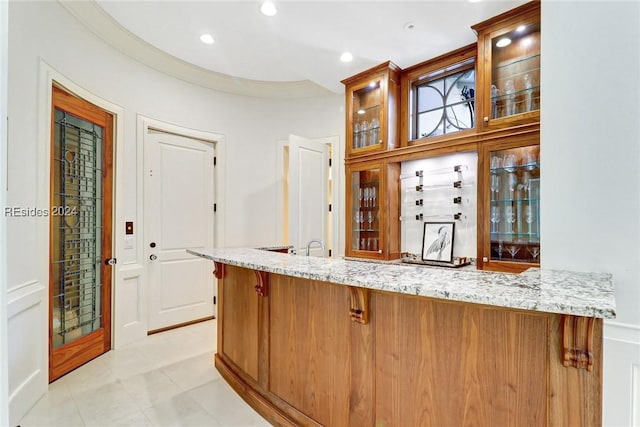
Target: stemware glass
361, 218
513, 250
360, 197
373, 195
495, 186
510, 162
364, 131
531, 160
495, 218
534, 251
366, 197
356, 217
499, 249
370, 218
496, 162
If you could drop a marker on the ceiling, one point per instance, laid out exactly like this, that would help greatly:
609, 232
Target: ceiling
294, 53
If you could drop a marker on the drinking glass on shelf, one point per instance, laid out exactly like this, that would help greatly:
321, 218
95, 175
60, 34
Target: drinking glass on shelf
366, 197
364, 132
499, 249
496, 162
363, 244
510, 98
531, 160
495, 186
360, 197
370, 218
495, 218
373, 195
361, 217
375, 132
534, 251
513, 250
528, 216
356, 135
510, 162
509, 214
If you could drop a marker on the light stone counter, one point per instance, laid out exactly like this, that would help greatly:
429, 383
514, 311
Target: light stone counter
553, 291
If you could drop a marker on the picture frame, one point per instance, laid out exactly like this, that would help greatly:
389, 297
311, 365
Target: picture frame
437, 242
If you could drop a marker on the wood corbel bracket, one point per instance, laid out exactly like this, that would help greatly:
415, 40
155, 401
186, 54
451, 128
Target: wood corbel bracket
218, 271
577, 341
262, 285
359, 305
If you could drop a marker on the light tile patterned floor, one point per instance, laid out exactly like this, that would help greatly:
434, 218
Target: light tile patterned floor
167, 379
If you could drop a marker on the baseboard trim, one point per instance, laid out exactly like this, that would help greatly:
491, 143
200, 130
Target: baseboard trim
180, 325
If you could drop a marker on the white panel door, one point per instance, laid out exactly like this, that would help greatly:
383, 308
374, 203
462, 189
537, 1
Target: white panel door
308, 193
178, 211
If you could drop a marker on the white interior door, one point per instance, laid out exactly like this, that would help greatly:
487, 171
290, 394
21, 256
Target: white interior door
308, 193
179, 214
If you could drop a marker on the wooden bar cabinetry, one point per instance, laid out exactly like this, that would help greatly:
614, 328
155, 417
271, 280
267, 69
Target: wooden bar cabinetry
372, 110
295, 352
373, 210
508, 82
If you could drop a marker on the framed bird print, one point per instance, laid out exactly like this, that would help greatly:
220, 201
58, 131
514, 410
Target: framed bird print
437, 242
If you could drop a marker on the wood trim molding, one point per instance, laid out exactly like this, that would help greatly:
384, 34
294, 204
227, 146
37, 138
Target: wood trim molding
577, 342
359, 305
262, 285
218, 271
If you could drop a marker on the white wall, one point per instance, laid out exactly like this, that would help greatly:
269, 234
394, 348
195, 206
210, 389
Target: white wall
4, 380
43, 36
590, 180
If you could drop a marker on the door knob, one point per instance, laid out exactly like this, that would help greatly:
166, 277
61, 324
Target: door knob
153, 257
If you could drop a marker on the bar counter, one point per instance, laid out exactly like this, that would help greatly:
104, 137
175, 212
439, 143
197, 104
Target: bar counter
311, 341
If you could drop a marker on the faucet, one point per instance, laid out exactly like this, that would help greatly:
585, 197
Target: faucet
319, 241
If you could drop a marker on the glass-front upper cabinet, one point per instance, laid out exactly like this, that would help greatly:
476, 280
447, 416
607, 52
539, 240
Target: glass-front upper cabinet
371, 110
372, 211
510, 214
509, 67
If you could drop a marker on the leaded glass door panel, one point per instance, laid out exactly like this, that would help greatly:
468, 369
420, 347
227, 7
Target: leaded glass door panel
80, 233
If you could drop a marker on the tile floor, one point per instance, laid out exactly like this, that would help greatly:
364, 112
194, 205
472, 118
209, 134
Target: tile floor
167, 379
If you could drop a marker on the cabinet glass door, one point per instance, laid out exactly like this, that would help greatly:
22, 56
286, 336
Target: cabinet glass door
365, 116
514, 215
515, 71
365, 211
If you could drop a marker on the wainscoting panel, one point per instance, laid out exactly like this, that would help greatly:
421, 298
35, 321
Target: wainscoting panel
28, 347
621, 376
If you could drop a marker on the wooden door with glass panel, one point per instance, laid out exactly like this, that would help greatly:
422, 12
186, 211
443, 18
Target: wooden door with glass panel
80, 233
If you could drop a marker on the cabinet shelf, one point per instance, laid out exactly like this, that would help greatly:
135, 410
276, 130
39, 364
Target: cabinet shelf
515, 168
520, 61
510, 201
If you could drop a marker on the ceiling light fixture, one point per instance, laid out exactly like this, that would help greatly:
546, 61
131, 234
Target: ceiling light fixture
521, 28
346, 57
268, 8
505, 41
206, 39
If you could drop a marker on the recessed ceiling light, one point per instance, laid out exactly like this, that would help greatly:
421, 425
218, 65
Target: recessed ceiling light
207, 39
505, 41
268, 8
346, 57
521, 28
474, 1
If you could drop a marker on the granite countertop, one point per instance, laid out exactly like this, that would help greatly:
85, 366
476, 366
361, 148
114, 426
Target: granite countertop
552, 291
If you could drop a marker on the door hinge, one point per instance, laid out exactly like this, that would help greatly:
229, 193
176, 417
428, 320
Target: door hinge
214, 300
329, 162
329, 207
329, 252
215, 160
215, 207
